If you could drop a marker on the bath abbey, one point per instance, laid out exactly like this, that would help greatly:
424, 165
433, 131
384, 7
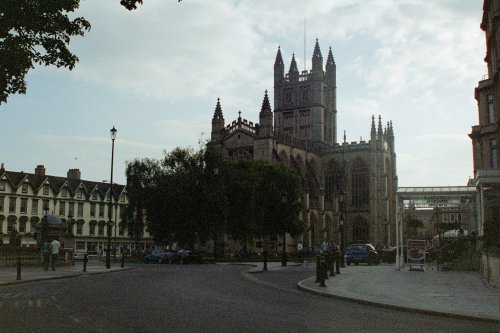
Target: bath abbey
349, 187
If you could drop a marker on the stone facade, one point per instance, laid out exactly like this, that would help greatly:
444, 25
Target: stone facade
485, 141
301, 132
26, 198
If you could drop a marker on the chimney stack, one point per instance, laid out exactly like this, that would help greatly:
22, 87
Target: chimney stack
74, 174
40, 170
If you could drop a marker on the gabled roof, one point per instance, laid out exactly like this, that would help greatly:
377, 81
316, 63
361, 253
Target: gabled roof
58, 183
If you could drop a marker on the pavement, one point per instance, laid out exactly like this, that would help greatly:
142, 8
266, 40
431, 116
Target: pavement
448, 293
8, 275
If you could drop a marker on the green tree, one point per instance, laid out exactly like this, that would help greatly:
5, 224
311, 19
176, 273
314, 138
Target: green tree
35, 32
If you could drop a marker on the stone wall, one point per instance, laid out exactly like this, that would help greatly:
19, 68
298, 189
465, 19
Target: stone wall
490, 266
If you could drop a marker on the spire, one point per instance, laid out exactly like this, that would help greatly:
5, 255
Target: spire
279, 59
266, 106
217, 122
390, 130
345, 139
317, 58
218, 112
379, 130
330, 68
330, 61
373, 133
279, 68
293, 73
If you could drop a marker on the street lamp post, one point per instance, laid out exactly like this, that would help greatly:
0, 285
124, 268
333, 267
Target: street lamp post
284, 199
341, 201
110, 210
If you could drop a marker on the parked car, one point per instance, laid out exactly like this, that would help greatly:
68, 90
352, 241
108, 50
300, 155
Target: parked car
184, 256
160, 257
362, 253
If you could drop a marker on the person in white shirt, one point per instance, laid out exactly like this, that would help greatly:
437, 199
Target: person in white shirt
54, 250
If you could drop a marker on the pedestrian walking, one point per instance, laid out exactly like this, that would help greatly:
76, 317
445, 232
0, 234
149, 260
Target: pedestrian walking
46, 254
300, 251
54, 249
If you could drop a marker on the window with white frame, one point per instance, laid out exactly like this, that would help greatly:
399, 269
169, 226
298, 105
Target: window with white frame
79, 194
24, 206
34, 206
12, 205
92, 209
46, 189
22, 226
445, 217
64, 192
71, 209
100, 229
24, 188
62, 208
92, 228
2, 185
80, 209
101, 210
79, 228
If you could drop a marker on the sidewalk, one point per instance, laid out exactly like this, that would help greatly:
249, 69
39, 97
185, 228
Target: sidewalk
457, 294
8, 275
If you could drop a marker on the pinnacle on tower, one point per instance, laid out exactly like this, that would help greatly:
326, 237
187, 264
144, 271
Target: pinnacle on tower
218, 111
293, 73
373, 132
317, 58
279, 59
266, 106
379, 130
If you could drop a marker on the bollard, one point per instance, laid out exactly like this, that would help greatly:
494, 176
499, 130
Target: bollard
323, 272
85, 259
18, 268
123, 260
264, 255
331, 258
318, 268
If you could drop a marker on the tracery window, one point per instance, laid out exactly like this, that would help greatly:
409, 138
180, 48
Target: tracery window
360, 183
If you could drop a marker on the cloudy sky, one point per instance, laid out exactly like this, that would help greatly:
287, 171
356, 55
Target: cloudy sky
156, 73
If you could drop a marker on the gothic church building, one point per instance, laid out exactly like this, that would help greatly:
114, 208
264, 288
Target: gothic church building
349, 188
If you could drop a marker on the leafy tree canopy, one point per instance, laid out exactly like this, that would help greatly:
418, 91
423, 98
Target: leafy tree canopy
35, 32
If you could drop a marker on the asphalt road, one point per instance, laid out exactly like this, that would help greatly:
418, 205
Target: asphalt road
200, 298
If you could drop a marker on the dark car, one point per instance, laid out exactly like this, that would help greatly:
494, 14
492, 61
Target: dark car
362, 253
184, 256
160, 257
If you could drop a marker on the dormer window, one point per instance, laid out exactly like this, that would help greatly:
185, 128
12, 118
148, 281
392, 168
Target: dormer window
79, 194
122, 198
64, 192
24, 188
94, 196
46, 189
2, 185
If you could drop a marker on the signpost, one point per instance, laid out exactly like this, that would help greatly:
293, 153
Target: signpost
416, 253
